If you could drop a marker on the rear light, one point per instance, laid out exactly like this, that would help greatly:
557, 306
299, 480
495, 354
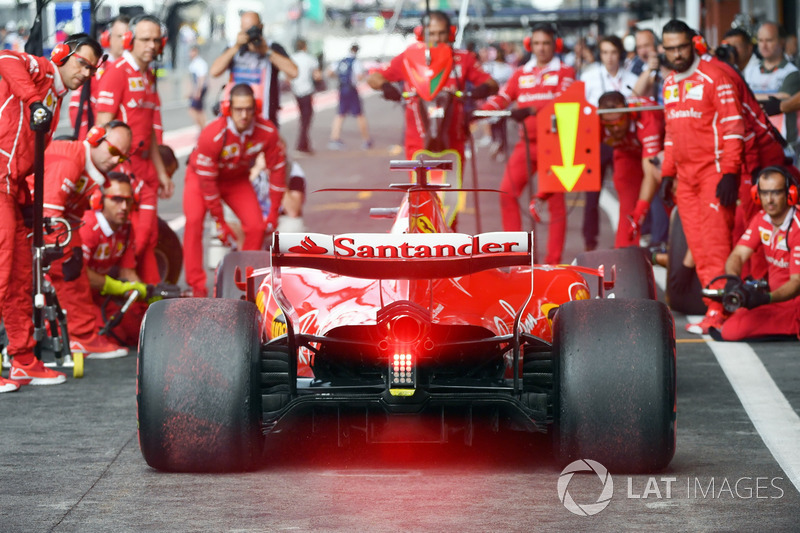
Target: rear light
405, 326
403, 370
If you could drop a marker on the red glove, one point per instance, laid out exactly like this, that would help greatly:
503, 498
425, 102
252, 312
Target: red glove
636, 218
538, 197
225, 234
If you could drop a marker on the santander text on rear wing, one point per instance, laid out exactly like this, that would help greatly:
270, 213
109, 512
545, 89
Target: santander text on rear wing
402, 256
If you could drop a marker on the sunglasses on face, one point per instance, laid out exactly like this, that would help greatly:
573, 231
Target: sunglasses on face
116, 152
85, 63
120, 199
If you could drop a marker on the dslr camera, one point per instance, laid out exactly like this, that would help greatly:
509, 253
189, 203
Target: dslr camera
255, 34
727, 53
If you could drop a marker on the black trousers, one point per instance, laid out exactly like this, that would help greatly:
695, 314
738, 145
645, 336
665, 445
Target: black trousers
306, 107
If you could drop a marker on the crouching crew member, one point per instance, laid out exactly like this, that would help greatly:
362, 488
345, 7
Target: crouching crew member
73, 171
108, 252
219, 169
776, 230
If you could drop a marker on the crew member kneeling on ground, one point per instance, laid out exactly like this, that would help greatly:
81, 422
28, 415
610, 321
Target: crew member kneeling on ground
73, 171
108, 252
776, 229
219, 169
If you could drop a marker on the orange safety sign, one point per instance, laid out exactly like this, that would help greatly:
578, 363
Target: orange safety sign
568, 140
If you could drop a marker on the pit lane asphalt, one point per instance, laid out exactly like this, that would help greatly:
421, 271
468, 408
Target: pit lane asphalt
69, 458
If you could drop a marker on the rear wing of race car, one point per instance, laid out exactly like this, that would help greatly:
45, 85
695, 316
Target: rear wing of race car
408, 256
402, 256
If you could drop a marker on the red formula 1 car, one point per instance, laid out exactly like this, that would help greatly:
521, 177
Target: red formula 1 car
418, 323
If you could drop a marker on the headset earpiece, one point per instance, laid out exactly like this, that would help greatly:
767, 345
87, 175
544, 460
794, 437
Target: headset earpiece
792, 195
96, 135
559, 45
96, 200
105, 39
130, 35
419, 33
526, 42
700, 44
60, 54
225, 107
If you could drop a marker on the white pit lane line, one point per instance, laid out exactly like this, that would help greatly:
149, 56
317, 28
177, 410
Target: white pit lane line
770, 412
767, 407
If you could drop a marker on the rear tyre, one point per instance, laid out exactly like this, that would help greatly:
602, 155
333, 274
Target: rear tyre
688, 300
224, 276
198, 394
615, 386
169, 254
634, 278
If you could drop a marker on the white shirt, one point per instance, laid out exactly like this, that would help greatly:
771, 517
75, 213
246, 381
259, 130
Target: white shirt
198, 68
303, 84
597, 81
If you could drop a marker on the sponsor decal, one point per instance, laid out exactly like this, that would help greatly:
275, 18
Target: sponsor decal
406, 246
278, 324
251, 148
684, 113
528, 81
229, 151
671, 94
135, 84
693, 92
532, 97
550, 79
765, 235
102, 252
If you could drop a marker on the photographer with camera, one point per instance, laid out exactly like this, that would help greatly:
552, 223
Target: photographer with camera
256, 61
775, 309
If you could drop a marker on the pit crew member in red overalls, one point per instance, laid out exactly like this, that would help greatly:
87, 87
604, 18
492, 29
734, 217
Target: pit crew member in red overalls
107, 236
762, 149
128, 92
703, 148
73, 171
31, 89
465, 69
533, 86
111, 40
219, 169
637, 138
776, 229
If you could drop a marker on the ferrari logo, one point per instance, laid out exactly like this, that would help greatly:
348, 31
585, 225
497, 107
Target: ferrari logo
424, 225
232, 150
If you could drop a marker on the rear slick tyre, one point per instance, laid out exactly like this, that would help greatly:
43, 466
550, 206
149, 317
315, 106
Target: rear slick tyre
169, 254
615, 392
634, 272
224, 276
198, 393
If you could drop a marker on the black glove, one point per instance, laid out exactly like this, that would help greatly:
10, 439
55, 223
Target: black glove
732, 284
390, 92
521, 113
71, 268
772, 106
480, 92
41, 117
754, 296
665, 191
728, 189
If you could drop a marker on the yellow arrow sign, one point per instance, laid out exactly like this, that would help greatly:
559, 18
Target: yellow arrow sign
567, 114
